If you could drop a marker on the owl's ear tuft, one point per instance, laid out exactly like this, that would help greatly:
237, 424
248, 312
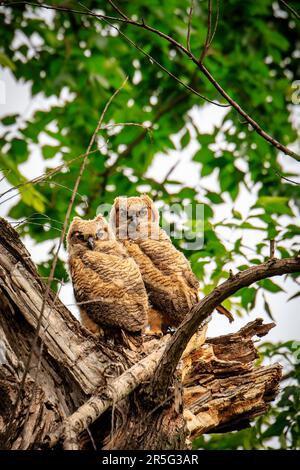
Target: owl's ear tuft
99, 217
147, 200
149, 203
119, 201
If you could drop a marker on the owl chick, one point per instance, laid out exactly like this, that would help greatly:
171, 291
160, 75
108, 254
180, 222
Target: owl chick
107, 283
170, 282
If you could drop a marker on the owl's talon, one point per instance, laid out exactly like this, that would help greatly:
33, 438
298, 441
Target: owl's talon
170, 330
157, 334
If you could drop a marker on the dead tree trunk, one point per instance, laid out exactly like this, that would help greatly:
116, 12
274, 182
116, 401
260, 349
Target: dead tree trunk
79, 393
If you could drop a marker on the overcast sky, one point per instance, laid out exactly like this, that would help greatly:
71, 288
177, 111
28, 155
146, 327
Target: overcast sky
16, 98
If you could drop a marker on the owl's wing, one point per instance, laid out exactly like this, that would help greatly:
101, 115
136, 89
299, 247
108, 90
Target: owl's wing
187, 272
88, 285
107, 302
119, 271
151, 274
168, 259
167, 292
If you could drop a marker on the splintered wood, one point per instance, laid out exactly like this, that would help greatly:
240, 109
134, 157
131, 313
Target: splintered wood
222, 387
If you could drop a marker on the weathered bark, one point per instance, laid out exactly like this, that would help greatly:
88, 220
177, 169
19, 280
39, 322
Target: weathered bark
217, 385
222, 387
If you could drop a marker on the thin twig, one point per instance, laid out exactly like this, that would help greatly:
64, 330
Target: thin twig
5, 172
272, 249
173, 167
188, 36
248, 118
115, 7
207, 39
40, 355
48, 174
123, 124
291, 9
91, 438
216, 24
153, 60
285, 177
45, 225
40, 217
44, 181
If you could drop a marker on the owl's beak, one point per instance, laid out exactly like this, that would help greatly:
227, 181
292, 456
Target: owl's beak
133, 220
91, 242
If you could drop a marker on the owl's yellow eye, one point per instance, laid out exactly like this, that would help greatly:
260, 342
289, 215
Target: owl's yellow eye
79, 235
100, 234
143, 211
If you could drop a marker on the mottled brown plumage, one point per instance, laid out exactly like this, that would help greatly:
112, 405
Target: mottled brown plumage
107, 283
170, 282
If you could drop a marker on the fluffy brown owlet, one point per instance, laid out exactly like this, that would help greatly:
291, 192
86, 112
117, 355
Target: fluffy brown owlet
170, 282
107, 283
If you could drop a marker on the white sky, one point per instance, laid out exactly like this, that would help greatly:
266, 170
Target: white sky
18, 100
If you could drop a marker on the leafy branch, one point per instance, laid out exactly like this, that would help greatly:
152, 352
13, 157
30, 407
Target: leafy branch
201, 312
141, 24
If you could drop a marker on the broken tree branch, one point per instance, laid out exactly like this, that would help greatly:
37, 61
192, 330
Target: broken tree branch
218, 378
201, 311
118, 389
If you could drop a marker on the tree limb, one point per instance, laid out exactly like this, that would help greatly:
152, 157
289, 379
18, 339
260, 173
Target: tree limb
223, 389
200, 312
141, 24
118, 389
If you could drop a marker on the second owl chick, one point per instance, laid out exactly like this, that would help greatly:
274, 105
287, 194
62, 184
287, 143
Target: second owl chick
170, 282
107, 283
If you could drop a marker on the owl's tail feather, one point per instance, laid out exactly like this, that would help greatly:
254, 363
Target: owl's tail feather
221, 309
131, 340
116, 337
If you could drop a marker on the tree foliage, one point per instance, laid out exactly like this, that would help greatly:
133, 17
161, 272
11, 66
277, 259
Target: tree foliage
81, 60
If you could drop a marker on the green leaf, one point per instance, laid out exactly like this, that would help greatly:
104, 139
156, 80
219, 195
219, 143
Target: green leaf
270, 286
214, 197
248, 296
185, 139
268, 309
237, 215
294, 296
49, 151
278, 427
19, 150
274, 205
5, 61
205, 156
9, 120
